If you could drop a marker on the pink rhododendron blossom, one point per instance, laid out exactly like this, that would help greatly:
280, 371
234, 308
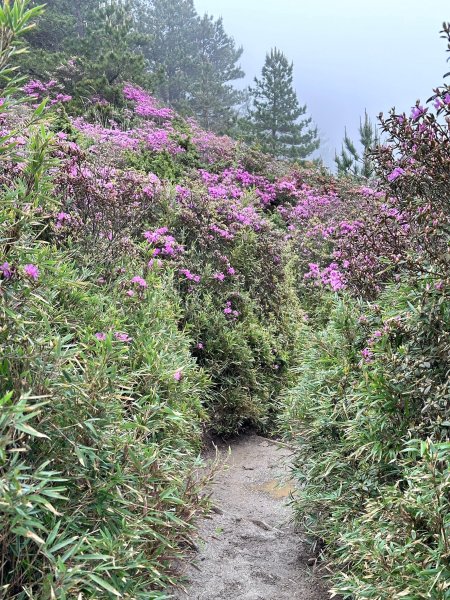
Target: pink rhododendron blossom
396, 173
122, 337
367, 355
6, 270
154, 262
146, 105
139, 281
190, 276
62, 218
417, 112
32, 271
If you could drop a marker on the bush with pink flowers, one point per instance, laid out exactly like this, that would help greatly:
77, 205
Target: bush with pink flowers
157, 279
370, 410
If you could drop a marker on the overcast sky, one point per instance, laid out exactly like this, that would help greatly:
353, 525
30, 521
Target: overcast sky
348, 54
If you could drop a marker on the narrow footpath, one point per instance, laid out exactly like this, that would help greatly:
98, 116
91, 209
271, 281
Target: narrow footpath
248, 549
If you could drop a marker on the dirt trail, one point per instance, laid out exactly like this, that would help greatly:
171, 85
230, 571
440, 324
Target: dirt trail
249, 550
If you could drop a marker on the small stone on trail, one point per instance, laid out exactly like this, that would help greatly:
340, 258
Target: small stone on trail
261, 524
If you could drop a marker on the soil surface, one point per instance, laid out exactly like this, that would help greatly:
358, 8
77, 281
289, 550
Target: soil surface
249, 549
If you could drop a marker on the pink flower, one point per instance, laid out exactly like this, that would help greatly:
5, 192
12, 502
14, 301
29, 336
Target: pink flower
200, 346
139, 281
130, 293
396, 173
219, 276
101, 336
31, 271
228, 310
417, 112
231, 271
122, 337
154, 262
367, 355
5, 270
190, 276
61, 217
178, 375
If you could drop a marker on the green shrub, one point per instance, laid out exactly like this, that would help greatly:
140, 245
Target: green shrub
96, 464
373, 462
100, 398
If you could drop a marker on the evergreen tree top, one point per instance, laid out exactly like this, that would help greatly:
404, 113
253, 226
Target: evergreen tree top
276, 112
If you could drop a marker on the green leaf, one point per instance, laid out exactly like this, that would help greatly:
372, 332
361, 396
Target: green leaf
104, 584
30, 430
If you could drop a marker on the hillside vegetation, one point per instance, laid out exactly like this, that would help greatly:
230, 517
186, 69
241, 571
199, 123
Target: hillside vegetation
158, 280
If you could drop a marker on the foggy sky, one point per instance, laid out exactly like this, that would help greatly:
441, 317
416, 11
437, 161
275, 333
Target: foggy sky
349, 55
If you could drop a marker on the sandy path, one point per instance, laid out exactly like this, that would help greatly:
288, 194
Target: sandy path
248, 550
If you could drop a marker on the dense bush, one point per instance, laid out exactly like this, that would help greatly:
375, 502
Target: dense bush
370, 409
136, 307
100, 397
212, 230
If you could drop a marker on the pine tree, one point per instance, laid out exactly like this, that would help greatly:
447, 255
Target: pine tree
60, 28
350, 161
276, 112
172, 26
213, 97
101, 38
112, 50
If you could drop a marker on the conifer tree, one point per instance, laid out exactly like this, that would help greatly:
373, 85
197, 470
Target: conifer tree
213, 97
276, 113
350, 161
112, 50
172, 26
92, 46
58, 30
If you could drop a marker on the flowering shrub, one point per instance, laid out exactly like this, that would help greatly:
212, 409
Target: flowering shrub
39, 91
154, 277
370, 410
212, 231
100, 397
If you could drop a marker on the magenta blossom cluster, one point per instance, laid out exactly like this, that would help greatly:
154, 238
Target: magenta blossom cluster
139, 281
146, 105
190, 276
120, 336
38, 90
165, 244
229, 311
148, 135
328, 276
232, 183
